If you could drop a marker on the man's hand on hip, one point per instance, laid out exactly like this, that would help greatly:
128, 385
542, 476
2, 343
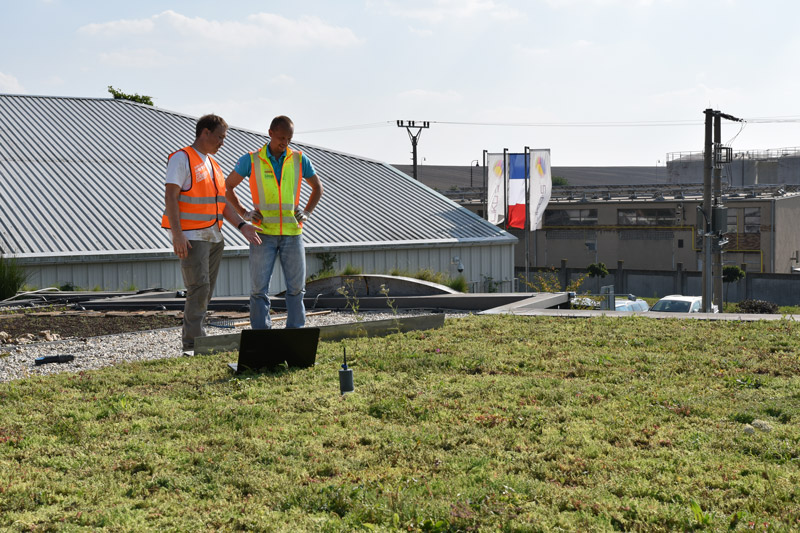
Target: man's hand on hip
253, 216
300, 215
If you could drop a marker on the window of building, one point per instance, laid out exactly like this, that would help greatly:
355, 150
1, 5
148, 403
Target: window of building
680, 243
733, 220
646, 217
570, 217
752, 220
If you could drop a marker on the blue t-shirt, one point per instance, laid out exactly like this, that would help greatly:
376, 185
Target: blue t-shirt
243, 165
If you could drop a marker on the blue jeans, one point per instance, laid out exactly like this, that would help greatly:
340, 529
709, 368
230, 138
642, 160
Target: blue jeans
292, 254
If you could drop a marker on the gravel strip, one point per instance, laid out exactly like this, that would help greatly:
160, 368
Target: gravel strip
17, 361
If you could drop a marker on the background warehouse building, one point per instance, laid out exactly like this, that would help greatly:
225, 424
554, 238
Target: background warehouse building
83, 193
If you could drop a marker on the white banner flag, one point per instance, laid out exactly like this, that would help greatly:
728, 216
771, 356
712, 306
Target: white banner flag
541, 186
496, 189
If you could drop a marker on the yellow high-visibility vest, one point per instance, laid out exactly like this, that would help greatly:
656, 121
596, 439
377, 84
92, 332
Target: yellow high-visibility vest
276, 201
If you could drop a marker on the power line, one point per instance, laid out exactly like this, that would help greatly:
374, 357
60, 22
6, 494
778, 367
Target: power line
518, 124
772, 120
630, 124
577, 124
351, 127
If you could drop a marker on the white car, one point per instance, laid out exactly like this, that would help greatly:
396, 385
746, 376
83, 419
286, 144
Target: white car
675, 303
630, 303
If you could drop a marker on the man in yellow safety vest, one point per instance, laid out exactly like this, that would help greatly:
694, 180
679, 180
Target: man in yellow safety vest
276, 173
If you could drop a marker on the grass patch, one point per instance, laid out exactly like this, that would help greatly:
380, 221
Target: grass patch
493, 423
351, 270
12, 277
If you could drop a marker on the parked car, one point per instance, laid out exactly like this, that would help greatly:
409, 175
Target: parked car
675, 303
629, 303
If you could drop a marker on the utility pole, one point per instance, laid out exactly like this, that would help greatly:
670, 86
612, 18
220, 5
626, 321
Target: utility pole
705, 211
718, 226
408, 125
714, 214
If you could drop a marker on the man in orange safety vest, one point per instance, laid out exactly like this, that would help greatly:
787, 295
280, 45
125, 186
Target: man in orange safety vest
195, 205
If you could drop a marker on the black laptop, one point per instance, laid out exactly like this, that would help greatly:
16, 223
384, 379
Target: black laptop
263, 350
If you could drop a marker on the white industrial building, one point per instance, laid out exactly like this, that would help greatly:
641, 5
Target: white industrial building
82, 183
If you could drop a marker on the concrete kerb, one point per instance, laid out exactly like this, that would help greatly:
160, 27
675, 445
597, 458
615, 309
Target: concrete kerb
229, 342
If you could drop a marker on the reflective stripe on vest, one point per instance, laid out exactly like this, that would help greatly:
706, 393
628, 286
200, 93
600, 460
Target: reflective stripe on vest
275, 201
200, 206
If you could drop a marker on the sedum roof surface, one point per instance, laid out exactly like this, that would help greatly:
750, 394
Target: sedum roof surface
85, 176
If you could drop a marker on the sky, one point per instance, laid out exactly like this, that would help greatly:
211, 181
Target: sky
598, 82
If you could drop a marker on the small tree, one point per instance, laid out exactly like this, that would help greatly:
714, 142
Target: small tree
597, 270
559, 181
731, 274
138, 98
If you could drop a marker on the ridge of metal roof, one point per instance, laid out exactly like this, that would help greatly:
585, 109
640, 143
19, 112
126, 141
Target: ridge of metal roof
85, 176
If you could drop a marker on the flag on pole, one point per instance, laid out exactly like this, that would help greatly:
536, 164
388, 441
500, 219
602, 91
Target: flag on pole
496, 189
517, 179
541, 186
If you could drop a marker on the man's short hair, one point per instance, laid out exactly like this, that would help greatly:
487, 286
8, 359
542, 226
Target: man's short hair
212, 122
281, 122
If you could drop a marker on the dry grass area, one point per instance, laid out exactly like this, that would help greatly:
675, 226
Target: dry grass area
68, 324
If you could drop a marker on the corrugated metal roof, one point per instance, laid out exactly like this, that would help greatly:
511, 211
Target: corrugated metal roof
86, 176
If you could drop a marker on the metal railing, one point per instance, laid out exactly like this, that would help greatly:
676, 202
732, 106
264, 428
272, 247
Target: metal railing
793, 151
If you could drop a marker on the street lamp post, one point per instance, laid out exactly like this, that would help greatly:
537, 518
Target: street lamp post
470, 170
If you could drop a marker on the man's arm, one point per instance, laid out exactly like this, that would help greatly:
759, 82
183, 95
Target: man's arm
180, 244
248, 230
231, 182
316, 193
234, 179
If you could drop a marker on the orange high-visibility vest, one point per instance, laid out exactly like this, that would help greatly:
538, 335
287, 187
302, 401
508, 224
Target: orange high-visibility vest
201, 206
276, 202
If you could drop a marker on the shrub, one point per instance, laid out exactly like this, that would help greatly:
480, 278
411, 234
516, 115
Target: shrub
458, 284
328, 260
757, 307
326, 269
548, 281
12, 277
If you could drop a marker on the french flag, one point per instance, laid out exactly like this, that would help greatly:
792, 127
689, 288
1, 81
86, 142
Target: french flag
516, 191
